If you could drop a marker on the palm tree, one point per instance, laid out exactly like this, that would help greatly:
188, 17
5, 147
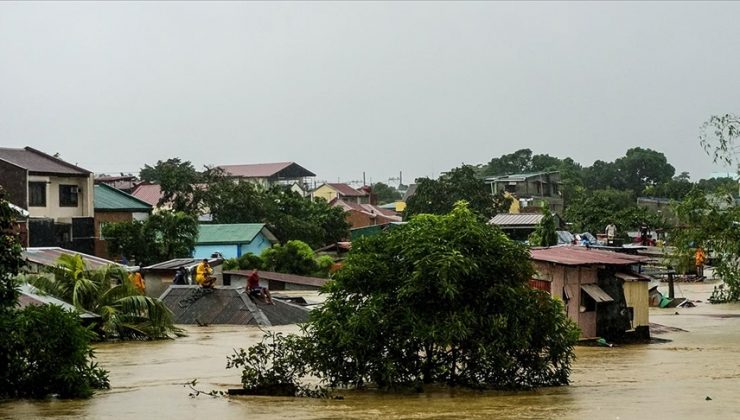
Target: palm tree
125, 312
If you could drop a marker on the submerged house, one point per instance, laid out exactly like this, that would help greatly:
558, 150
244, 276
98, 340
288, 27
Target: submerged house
602, 291
529, 190
115, 206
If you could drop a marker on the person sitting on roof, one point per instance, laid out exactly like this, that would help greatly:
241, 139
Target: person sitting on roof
203, 275
253, 286
138, 282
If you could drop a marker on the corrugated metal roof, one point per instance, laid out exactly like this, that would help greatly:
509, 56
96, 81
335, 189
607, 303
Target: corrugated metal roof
36, 161
148, 193
49, 256
33, 296
285, 278
265, 170
519, 219
108, 198
176, 263
369, 209
517, 177
579, 255
597, 293
236, 233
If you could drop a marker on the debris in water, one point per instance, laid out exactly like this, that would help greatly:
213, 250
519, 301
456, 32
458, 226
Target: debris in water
708, 398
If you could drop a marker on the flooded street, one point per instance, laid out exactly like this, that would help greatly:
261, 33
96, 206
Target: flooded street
665, 380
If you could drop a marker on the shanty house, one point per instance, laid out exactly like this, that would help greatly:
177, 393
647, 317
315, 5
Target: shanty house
339, 191
57, 195
232, 240
602, 291
114, 206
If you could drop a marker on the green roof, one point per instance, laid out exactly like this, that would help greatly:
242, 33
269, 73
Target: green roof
236, 233
108, 198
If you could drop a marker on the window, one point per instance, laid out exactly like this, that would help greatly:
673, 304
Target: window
588, 304
37, 194
68, 195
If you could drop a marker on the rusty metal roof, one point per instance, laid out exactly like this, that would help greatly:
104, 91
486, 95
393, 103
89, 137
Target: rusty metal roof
30, 295
36, 161
229, 305
285, 278
580, 255
267, 170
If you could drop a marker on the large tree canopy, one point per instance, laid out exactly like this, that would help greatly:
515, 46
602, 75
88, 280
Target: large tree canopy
442, 299
438, 196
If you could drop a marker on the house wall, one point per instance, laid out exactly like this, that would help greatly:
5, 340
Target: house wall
357, 219
101, 245
53, 210
256, 246
227, 250
636, 296
326, 192
13, 181
562, 277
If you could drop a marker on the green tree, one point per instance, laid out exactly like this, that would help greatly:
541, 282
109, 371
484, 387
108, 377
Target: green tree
163, 236
439, 196
442, 299
546, 232
108, 291
719, 138
44, 350
385, 193
675, 189
180, 184
294, 257
640, 168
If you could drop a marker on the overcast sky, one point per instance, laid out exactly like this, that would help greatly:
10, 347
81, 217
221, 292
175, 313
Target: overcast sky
343, 88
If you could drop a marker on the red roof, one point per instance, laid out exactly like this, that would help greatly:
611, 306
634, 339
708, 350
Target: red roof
347, 191
283, 277
265, 170
580, 255
149, 193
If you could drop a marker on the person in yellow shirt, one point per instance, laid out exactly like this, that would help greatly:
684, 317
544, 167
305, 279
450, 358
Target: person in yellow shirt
203, 275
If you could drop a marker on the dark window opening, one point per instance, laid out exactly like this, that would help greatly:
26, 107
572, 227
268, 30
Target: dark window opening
588, 304
510, 188
68, 195
37, 194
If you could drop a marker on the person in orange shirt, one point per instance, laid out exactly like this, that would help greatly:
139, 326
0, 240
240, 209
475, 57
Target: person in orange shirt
138, 282
699, 259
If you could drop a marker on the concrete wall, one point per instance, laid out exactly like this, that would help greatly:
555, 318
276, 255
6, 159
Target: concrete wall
53, 210
13, 181
101, 218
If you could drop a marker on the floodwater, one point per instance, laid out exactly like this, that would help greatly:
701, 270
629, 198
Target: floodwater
664, 380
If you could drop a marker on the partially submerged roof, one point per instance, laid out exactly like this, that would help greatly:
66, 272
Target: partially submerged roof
108, 198
235, 233
36, 161
32, 296
367, 209
278, 170
228, 305
516, 220
48, 256
579, 255
282, 277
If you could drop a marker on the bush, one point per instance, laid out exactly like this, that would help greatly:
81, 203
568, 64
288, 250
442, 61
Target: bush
46, 351
295, 257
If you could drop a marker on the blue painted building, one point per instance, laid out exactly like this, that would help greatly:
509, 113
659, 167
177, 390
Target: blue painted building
233, 240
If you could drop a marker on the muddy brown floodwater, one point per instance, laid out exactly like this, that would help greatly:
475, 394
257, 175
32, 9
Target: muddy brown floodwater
666, 380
